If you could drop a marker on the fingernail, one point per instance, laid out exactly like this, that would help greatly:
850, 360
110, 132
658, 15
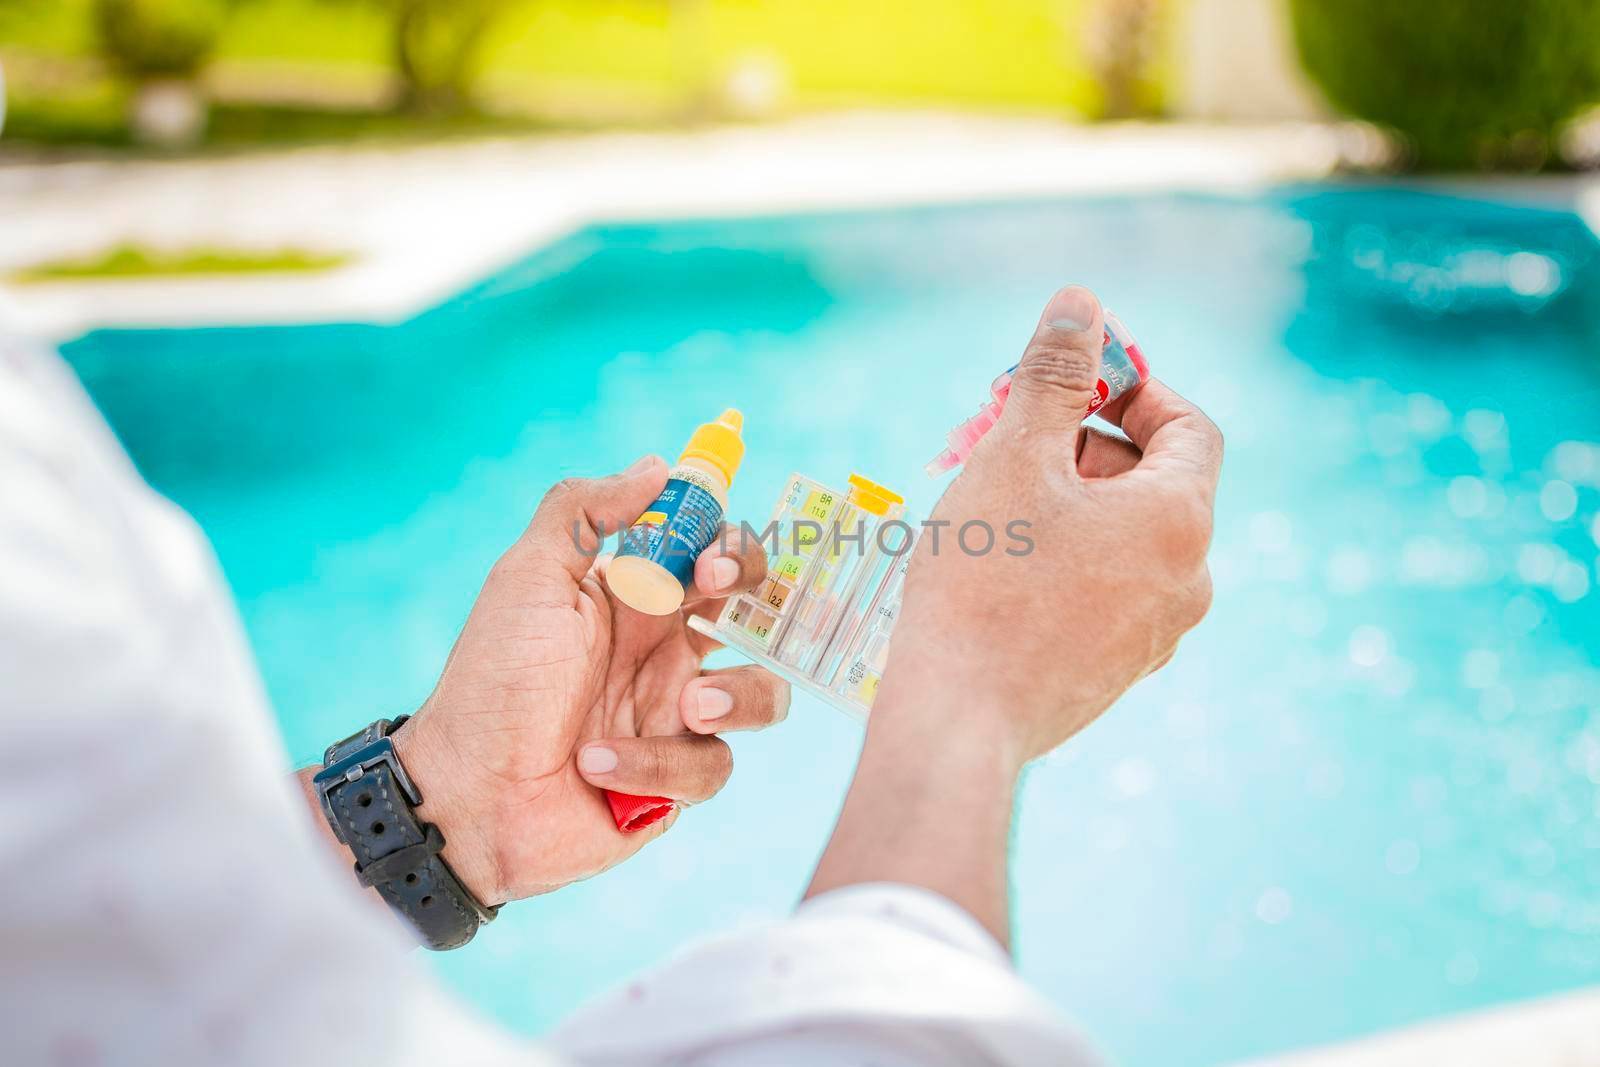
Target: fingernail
642, 464
597, 759
713, 703
724, 572
1072, 309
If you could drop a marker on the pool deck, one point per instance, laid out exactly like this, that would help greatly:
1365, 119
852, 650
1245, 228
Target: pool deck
1557, 1031
422, 222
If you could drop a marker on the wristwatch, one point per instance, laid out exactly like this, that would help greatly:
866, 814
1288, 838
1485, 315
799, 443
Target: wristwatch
371, 804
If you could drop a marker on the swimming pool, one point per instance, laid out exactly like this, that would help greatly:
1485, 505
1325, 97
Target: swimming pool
1366, 791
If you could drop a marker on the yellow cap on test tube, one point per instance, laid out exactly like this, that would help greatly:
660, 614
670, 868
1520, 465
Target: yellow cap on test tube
869, 496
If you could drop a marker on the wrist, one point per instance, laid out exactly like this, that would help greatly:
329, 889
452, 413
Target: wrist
960, 725
442, 781
931, 802
931, 745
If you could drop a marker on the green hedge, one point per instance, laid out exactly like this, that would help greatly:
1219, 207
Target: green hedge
1466, 83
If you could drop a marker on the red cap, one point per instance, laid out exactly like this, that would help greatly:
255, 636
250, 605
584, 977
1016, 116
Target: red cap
635, 813
1137, 356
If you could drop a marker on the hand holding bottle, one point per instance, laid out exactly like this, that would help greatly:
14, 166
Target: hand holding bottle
555, 694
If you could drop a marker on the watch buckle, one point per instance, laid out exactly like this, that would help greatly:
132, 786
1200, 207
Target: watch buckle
352, 767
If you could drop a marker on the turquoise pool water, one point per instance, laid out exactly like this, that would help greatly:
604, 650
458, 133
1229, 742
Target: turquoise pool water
1366, 791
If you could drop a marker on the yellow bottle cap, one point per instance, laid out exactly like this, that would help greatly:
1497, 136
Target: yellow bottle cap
718, 443
868, 495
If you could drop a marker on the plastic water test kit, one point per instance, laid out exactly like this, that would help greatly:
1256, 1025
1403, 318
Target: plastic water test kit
836, 561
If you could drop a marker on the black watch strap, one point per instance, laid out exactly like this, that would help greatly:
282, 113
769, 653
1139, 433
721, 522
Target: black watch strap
371, 804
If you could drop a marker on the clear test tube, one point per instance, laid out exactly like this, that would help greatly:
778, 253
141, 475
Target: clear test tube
864, 652
843, 566
794, 537
822, 617
1122, 369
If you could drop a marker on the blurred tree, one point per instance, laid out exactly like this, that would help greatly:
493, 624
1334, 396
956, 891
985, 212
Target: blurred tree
436, 47
160, 46
1465, 83
1123, 38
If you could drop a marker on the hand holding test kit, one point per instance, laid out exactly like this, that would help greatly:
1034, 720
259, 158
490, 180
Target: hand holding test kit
836, 560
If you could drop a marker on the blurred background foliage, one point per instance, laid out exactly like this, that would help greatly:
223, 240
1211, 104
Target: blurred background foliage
1460, 83
158, 38
308, 67
1468, 83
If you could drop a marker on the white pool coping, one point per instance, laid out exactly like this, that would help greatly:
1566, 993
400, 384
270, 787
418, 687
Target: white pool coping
424, 222
1557, 1031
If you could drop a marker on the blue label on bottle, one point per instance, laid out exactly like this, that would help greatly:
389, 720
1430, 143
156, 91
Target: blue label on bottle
1117, 369
673, 531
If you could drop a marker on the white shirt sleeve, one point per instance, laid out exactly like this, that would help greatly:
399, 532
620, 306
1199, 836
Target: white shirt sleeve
866, 976
166, 899
168, 902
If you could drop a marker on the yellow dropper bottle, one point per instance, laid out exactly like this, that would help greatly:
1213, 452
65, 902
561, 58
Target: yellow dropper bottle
655, 564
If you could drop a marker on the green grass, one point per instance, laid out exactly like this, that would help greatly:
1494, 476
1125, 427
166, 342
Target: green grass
978, 51
135, 261
981, 52
96, 120
243, 125
47, 27
562, 64
93, 114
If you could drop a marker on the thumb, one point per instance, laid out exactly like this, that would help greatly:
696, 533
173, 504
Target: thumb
578, 514
686, 767
1055, 383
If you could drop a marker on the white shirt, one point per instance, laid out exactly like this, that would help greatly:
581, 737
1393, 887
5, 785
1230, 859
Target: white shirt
165, 900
